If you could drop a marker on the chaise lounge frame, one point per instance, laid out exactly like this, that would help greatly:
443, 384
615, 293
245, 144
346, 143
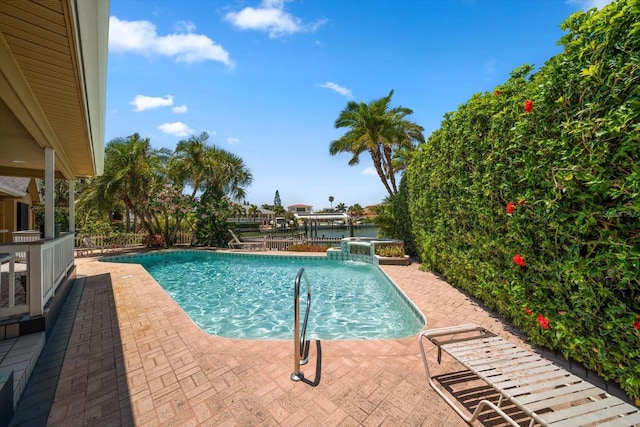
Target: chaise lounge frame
547, 393
236, 243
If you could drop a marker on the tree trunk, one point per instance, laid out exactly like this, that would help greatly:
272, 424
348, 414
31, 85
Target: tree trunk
128, 220
377, 162
390, 172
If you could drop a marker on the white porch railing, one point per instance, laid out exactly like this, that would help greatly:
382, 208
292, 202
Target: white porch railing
26, 287
24, 236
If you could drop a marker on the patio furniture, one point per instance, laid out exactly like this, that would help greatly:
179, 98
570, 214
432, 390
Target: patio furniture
80, 251
236, 243
547, 393
87, 247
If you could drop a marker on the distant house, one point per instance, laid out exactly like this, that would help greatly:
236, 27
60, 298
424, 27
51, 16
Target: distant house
17, 197
300, 209
330, 218
370, 211
261, 215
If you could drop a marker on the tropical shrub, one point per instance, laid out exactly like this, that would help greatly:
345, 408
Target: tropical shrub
390, 251
393, 218
153, 241
212, 214
95, 227
168, 209
529, 197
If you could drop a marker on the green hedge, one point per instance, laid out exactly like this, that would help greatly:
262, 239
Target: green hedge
547, 167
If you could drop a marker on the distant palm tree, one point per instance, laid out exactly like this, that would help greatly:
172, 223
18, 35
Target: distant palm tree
238, 210
356, 211
253, 211
379, 130
341, 207
331, 199
279, 211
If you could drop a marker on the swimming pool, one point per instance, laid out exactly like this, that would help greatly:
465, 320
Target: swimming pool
251, 296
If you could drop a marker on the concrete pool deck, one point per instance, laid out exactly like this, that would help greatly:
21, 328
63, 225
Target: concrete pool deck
133, 357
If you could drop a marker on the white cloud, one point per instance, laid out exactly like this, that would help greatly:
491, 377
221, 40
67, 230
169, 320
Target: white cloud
176, 129
590, 4
233, 141
142, 102
369, 171
181, 109
184, 27
140, 37
337, 88
271, 17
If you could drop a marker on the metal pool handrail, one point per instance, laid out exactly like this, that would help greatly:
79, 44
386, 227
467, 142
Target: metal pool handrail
300, 345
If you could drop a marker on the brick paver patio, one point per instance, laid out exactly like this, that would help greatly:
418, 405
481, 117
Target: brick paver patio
135, 358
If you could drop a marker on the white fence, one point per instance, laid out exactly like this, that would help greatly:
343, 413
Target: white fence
272, 243
283, 243
124, 240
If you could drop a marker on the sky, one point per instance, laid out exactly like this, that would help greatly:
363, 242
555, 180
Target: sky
267, 79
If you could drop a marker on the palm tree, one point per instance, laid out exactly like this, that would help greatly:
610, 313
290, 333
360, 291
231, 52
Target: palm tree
200, 166
379, 130
402, 158
189, 162
341, 207
132, 173
227, 173
331, 199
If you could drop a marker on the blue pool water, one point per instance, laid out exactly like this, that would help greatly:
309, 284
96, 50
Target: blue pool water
251, 296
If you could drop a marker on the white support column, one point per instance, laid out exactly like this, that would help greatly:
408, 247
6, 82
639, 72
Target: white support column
72, 205
49, 183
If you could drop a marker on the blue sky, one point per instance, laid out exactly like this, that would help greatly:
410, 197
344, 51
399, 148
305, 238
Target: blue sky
267, 79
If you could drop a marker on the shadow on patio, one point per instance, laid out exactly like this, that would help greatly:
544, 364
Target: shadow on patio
81, 368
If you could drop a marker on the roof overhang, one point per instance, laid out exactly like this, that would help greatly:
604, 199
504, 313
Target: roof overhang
10, 193
53, 64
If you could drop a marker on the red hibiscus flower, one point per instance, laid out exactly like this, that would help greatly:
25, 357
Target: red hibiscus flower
510, 207
636, 324
519, 260
497, 92
528, 105
544, 322
528, 311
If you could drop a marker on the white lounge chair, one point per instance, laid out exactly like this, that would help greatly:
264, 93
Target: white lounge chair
236, 243
547, 393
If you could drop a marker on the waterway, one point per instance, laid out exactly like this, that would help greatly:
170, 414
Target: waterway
332, 232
